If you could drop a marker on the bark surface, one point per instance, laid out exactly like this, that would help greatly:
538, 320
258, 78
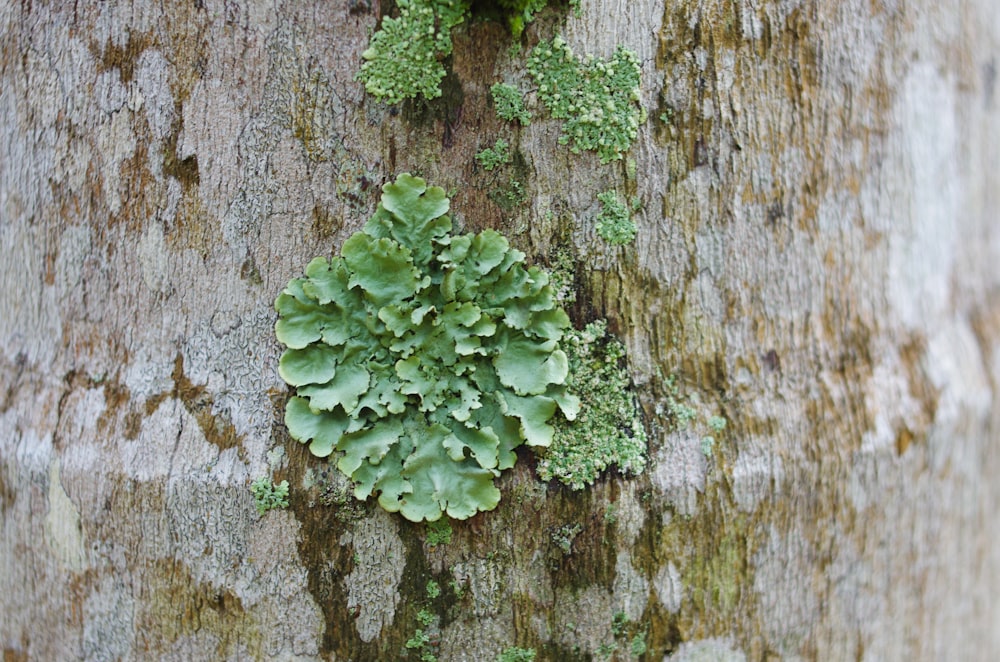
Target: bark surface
816, 262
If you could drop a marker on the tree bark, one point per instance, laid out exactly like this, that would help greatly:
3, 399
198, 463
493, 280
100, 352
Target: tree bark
815, 262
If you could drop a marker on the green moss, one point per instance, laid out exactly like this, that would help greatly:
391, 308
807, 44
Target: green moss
608, 429
614, 222
268, 496
521, 12
494, 157
433, 589
509, 104
599, 99
404, 57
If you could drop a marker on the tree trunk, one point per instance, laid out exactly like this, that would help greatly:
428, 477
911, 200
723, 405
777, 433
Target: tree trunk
815, 263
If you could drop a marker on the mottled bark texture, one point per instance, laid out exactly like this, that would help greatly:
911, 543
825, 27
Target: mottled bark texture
816, 262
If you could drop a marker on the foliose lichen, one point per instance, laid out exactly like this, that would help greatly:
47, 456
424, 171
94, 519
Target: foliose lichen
404, 57
608, 429
423, 357
509, 104
268, 496
494, 157
614, 222
599, 99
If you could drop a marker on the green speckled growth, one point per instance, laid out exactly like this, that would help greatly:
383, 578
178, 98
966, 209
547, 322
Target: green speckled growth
614, 223
599, 99
404, 57
608, 429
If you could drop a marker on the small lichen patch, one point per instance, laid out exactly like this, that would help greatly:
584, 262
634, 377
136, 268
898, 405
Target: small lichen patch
599, 99
268, 496
608, 429
614, 222
494, 157
509, 104
404, 57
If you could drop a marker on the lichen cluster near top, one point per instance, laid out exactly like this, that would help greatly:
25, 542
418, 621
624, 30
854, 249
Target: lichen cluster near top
608, 428
404, 57
423, 357
521, 12
599, 99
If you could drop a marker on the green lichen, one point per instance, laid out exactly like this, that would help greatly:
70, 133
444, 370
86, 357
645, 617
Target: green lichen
614, 222
423, 357
608, 429
509, 197
438, 533
599, 99
268, 496
433, 589
404, 57
509, 104
564, 536
494, 157
515, 654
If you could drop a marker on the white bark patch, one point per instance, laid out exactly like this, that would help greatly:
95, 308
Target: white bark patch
169, 443
757, 474
236, 358
153, 79
668, 587
30, 319
585, 618
707, 650
154, 259
116, 142
372, 586
62, 524
786, 591
924, 249
484, 578
107, 629
630, 515
74, 246
678, 471
631, 589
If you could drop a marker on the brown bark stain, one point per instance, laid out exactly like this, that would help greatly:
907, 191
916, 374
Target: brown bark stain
218, 430
174, 605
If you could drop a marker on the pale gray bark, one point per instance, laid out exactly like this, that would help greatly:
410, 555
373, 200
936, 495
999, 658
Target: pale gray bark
816, 261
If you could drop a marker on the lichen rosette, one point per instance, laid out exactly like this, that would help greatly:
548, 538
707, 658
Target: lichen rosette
423, 358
